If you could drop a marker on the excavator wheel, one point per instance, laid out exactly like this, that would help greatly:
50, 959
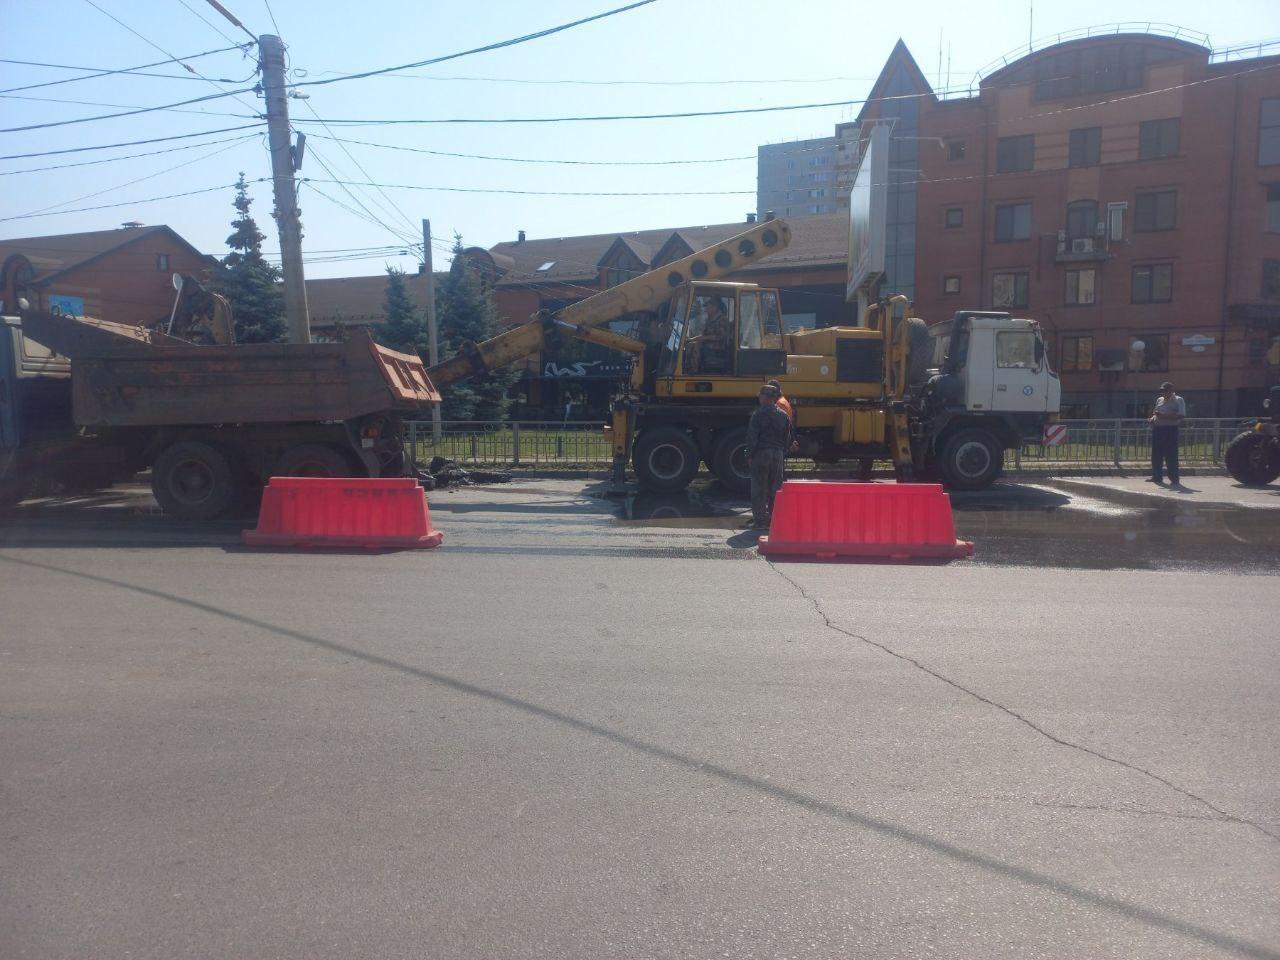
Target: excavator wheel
666, 459
730, 456
1252, 459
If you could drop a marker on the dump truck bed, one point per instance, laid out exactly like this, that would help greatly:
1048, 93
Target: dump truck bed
125, 378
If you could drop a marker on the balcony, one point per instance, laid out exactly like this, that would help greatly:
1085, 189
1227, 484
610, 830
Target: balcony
1081, 250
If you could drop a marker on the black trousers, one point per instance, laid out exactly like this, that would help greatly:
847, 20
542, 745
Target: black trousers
766, 481
1164, 452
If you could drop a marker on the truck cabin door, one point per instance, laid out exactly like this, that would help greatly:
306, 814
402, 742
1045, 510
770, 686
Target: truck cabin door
759, 335
1018, 380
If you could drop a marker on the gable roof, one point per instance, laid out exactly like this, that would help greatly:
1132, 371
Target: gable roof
359, 300
900, 56
55, 255
815, 240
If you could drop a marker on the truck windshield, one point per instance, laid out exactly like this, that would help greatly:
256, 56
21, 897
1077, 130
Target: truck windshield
1016, 348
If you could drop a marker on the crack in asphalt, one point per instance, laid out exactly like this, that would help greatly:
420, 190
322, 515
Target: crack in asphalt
1135, 811
1071, 744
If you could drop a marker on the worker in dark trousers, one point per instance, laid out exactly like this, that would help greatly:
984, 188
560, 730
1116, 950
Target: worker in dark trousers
1170, 411
768, 439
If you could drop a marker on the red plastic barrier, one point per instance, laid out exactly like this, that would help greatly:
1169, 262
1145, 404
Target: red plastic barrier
897, 521
343, 512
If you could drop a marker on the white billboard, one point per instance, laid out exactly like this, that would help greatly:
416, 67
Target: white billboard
868, 212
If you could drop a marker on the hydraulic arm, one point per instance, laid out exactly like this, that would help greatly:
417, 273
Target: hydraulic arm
583, 319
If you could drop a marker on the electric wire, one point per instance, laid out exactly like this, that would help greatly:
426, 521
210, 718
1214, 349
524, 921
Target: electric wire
126, 113
537, 35
346, 188
128, 143
543, 193
208, 23
99, 103
107, 72
129, 203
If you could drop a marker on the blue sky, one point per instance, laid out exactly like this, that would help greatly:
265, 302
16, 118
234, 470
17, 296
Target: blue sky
673, 55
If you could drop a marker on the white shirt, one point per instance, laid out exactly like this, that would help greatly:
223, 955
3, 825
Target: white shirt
1169, 407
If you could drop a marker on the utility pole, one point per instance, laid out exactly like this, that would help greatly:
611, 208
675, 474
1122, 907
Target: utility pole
433, 334
283, 165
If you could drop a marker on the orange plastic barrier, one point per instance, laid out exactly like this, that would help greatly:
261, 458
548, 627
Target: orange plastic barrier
343, 512
896, 521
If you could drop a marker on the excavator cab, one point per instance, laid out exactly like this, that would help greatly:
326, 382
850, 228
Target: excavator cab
720, 331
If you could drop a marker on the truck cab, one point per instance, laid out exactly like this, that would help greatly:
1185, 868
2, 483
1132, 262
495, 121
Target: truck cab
993, 387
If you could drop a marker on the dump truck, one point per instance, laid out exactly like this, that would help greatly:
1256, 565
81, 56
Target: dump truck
704, 346
86, 402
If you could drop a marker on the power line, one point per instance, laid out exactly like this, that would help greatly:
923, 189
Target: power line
544, 193
628, 83
585, 163
150, 176
99, 103
129, 203
107, 71
126, 143
272, 14
128, 113
212, 26
538, 35
346, 188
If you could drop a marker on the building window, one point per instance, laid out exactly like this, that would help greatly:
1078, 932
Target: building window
1015, 154
1137, 410
1082, 219
1154, 355
1082, 287
955, 150
1152, 283
1074, 411
1010, 290
1155, 211
1013, 222
162, 262
1273, 208
1085, 149
1115, 221
950, 285
1158, 138
1271, 279
953, 217
1269, 132
1077, 356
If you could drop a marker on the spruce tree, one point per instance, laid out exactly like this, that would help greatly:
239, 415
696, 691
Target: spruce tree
248, 281
466, 312
403, 327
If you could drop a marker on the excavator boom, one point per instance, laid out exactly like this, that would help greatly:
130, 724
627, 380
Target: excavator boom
646, 292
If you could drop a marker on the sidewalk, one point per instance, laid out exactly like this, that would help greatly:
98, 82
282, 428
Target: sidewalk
1195, 490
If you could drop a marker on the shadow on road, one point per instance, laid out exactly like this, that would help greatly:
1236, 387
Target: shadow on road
949, 851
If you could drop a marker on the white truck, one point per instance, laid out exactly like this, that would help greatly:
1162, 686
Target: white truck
990, 389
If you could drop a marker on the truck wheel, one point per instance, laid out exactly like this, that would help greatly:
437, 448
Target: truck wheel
312, 460
971, 460
665, 459
1253, 459
193, 481
730, 456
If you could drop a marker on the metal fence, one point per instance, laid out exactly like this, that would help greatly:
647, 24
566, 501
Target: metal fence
1089, 444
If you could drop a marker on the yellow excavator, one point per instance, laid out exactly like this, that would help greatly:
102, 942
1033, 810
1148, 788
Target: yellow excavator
705, 346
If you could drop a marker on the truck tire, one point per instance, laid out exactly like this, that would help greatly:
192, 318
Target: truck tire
920, 351
193, 481
730, 457
971, 460
312, 460
665, 459
1253, 459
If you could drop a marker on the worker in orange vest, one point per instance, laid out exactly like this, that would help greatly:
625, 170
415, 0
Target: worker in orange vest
783, 403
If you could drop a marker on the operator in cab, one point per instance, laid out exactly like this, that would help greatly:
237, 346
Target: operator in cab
769, 436
714, 340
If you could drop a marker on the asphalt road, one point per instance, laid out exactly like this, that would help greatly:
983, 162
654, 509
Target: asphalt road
582, 729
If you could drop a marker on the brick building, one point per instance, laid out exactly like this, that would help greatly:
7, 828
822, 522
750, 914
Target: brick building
1122, 189
357, 301
531, 275
120, 275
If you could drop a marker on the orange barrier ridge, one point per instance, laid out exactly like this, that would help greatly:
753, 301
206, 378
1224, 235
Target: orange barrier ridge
895, 521
344, 512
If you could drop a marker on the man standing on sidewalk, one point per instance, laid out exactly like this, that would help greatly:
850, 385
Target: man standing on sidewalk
1170, 411
768, 438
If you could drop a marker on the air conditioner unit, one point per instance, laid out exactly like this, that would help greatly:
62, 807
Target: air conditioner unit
1082, 245
1111, 366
